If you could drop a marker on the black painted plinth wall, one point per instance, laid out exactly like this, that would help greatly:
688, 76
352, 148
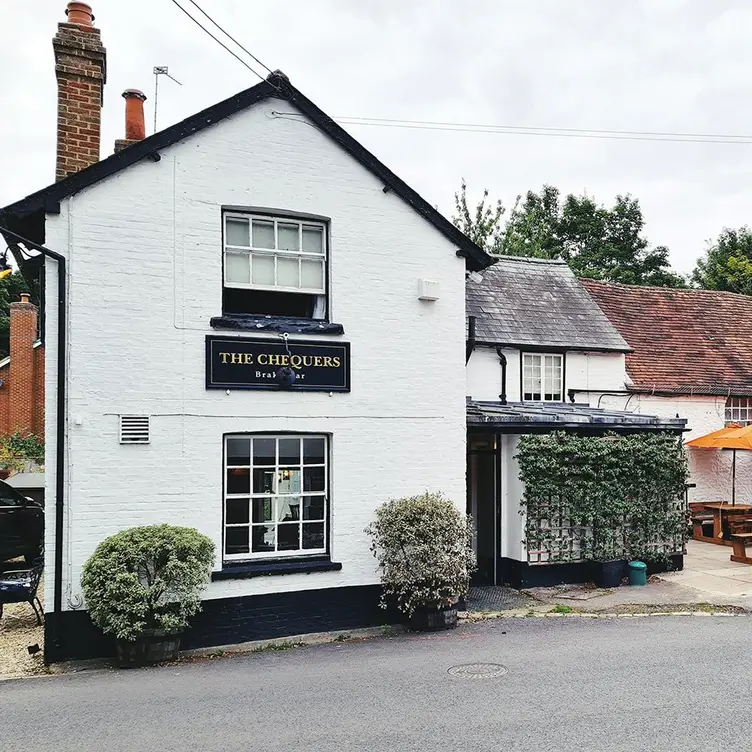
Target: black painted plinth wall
232, 620
520, 574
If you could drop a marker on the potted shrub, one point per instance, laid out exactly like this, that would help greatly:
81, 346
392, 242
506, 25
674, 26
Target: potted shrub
608, 564
143, 584
423, 548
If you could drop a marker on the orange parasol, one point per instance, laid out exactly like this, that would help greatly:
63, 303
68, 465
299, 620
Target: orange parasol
732, 437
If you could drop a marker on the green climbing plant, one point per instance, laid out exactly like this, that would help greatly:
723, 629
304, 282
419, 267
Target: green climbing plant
603, 498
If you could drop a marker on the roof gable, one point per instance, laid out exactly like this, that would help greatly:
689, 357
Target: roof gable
684, 341
538, 303
278, 86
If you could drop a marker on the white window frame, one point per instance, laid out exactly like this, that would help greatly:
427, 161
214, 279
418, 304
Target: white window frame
535, 379
739, 411
277, 469
251, 251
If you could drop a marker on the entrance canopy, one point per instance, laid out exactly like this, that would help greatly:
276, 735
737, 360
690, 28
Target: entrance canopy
538, 417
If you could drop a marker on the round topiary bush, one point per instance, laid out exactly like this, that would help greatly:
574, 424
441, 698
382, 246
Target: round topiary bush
147, 579
423, 548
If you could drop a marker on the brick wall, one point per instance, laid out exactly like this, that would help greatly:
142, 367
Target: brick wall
23, 333
4, 395
80, 68
22, 390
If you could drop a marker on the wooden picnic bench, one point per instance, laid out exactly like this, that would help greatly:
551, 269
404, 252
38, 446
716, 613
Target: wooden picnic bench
725, 519
739, 542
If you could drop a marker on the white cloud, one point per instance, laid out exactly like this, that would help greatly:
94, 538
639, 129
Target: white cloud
671, 65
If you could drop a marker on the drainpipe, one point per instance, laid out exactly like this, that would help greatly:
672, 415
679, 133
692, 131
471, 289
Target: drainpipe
470, 344
503, 361
60, 417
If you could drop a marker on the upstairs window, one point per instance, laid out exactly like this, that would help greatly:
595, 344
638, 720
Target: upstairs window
274, 266
739, 411
542, 377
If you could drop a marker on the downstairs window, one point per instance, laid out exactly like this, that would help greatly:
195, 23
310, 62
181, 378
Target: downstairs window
276, 496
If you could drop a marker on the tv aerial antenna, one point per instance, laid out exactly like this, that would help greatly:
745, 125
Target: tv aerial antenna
160, 70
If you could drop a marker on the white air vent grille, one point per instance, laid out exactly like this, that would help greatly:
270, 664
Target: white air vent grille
134, 429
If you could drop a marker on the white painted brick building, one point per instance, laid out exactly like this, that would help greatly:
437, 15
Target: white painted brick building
144, 236
542, 357
691, 357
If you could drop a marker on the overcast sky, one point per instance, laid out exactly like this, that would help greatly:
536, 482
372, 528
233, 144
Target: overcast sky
638, 65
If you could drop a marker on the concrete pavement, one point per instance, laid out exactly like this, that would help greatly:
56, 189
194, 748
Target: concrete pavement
709, 571
650, 683
708, 577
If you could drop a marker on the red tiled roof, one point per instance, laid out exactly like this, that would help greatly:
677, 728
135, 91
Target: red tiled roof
684, 341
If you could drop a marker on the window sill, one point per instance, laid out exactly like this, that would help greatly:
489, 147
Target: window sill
281, 324
245, 570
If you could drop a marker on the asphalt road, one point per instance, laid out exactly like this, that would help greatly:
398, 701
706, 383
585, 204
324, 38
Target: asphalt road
659, 683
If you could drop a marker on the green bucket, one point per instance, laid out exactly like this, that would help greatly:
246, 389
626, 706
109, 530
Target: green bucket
638, 573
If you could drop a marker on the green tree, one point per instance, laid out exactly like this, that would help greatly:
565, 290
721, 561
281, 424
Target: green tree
533, 226
10, 291
483, 225
727, 264
596, 241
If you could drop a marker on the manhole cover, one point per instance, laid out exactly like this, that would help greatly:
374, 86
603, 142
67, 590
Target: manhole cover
478, 670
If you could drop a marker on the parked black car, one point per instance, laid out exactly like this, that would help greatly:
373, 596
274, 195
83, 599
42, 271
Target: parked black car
21, 525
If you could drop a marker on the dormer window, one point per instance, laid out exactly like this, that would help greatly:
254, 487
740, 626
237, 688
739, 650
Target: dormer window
274, 266
542, 377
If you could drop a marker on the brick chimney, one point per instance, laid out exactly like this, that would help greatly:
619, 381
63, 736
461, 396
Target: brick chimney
81, 71
135, 127
22, 382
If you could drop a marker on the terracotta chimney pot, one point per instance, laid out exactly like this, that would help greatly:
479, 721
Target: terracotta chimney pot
80, 14
135, 127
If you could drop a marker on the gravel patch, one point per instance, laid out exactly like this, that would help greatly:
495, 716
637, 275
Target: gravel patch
18, 631
496, 598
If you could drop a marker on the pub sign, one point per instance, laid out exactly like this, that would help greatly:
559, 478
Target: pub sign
295, 365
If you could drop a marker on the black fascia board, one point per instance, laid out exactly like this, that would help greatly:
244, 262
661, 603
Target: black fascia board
275, 86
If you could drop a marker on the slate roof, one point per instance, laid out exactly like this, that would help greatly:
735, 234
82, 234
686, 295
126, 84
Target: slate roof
528, 417
540, 303
276, 86
684, 341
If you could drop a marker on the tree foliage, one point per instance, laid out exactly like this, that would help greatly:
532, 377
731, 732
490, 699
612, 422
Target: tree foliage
147, 578
596, 241
423, 548
482, 225
21, 451
727, 264
613, 497
10, 292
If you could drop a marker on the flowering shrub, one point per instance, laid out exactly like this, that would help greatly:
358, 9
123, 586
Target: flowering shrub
147, 578
423, 548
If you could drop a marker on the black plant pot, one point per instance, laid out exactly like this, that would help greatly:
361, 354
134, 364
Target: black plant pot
151, 647
608, 574
428, 619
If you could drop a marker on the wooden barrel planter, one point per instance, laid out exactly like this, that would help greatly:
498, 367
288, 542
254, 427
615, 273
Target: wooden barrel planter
151, 647
433, 619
